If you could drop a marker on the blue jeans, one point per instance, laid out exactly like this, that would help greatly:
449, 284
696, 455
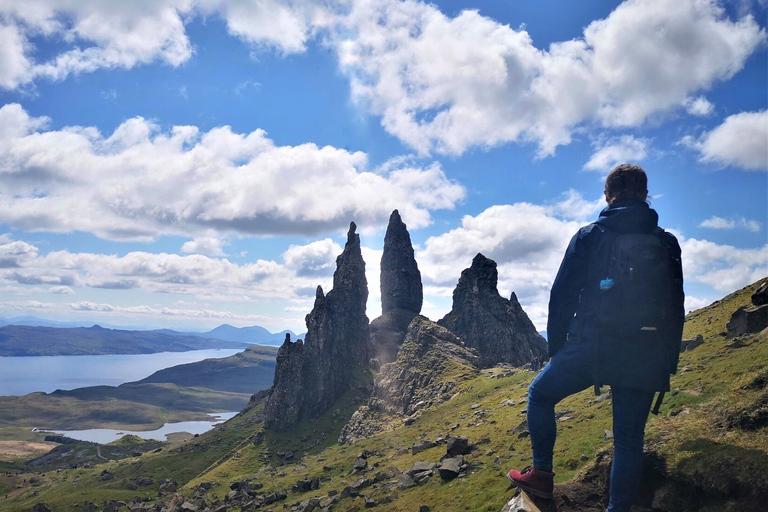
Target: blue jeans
569, 372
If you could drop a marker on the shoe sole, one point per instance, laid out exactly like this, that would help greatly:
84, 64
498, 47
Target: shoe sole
530, 490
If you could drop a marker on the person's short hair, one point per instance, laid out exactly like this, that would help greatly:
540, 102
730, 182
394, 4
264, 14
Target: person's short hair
625, 182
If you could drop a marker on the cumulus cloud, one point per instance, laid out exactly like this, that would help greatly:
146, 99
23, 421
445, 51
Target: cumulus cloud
439, 83
616, 151
316, 258
740, 141
209, 245
698, 106
103, 34
723, 267
140, 183
715, 222
447, 84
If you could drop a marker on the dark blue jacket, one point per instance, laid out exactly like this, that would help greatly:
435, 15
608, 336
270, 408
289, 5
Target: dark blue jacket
575, 294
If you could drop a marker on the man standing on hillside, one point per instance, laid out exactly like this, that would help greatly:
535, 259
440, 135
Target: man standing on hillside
615, 318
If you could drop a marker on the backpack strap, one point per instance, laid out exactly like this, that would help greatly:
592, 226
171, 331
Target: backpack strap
659, 398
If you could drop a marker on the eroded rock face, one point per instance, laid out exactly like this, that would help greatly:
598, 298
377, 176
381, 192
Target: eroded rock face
284, 404
430, 364
400, 277
401, 293
311, 376
496, 327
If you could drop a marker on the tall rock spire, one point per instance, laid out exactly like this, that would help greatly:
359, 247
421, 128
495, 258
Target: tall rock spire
496, 327
401, 293
309, 378
400, 277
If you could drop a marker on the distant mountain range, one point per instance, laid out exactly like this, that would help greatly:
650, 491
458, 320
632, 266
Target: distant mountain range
23, 339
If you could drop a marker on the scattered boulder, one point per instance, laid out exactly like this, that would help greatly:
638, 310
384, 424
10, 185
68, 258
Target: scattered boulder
420, 446
760, 297
450, 468
496, 327
168, 485
748, 319
421, 471
690, 344
520, 503
458, 446
42, 507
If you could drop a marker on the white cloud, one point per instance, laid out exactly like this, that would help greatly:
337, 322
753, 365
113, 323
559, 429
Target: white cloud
715, 222
282, 24
723, 267
616, 151
140, 183
439, 83
105, 34
698, 106
315, 258
447, 84
98, 34
741, 141
650, 55
209, 245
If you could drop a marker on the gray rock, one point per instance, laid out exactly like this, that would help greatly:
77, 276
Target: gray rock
496, 327
420, 446
42, 507
404, 481
310, 377
401, 293
457, 446
430, 364
520, 503
400, 277
690, 344
360, 464
450, 468
760, 297
746, 320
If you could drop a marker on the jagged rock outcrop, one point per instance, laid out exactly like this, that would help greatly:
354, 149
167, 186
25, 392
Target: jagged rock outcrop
401, 293
496, 327
431, 362
400, 276
311, 375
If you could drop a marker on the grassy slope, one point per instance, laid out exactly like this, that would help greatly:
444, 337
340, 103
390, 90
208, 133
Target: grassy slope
697, 434
181, 393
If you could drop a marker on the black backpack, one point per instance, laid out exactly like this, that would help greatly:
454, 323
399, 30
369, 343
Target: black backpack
637, 285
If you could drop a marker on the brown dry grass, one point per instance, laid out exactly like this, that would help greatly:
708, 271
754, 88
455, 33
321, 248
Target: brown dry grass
14, 450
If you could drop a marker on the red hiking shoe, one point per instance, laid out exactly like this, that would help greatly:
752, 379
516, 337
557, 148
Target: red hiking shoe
534, 481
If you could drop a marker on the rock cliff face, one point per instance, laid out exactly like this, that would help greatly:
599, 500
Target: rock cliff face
431, 362
400, 276
311, 376
401, 293
496, 327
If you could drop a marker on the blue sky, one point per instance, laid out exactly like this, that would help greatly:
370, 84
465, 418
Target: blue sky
188, 163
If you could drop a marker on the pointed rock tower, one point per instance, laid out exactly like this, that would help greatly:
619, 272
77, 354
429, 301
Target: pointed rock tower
496, 327
312, 375
401, 293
